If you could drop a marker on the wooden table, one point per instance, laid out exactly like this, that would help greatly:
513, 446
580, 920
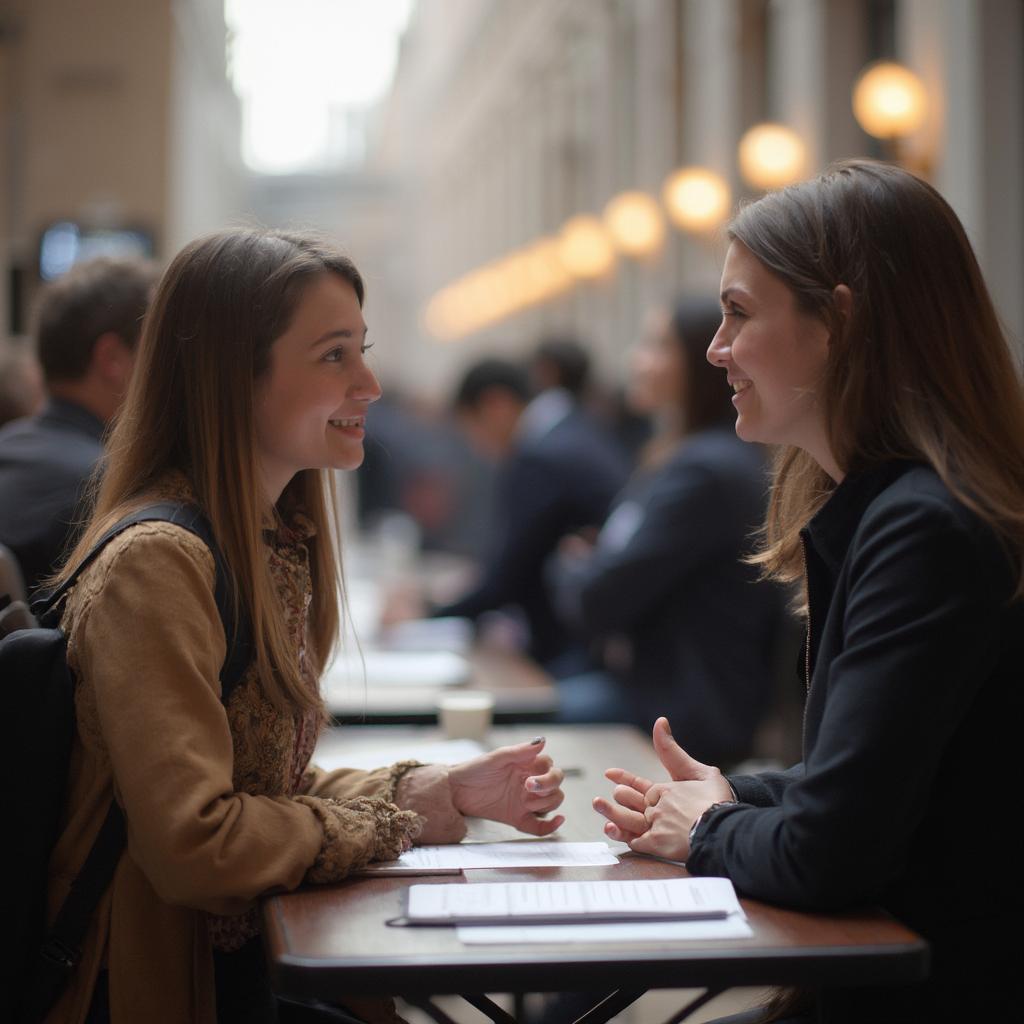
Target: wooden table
332, 941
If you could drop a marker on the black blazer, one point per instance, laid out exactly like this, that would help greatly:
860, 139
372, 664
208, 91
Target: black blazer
45, 462
667, 578
550, 485
911, 743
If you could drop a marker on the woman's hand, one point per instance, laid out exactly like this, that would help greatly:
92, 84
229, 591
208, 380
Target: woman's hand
656, 817
516, 785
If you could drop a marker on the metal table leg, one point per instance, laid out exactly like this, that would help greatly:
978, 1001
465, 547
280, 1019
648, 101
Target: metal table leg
492, 1011
433, 1012
696, 1004
610, 1006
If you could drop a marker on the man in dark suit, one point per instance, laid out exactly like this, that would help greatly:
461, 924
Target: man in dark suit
88, 324
558, 474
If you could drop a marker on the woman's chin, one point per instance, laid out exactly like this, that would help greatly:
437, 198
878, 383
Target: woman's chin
745, 430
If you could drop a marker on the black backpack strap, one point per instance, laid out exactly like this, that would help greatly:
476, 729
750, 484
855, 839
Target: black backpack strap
191, 518
61, 950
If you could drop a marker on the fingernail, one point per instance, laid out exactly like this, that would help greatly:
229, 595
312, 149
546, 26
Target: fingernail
532, 784
536, 740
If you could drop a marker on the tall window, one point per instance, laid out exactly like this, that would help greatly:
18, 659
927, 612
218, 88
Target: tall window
309, 74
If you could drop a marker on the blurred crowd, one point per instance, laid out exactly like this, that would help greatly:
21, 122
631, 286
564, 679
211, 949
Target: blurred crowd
607, 521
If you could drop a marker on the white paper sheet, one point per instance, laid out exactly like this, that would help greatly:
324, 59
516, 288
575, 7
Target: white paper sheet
733, 927
521, 854
443, 634
345, 676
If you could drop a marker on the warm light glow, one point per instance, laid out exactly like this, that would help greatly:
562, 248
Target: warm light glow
697, 199
584, 247
543, 272
771, 156
635, 224
889, 100
498, 290
444, 317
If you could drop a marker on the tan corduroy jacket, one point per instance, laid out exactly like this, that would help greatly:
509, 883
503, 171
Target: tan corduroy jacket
218, 809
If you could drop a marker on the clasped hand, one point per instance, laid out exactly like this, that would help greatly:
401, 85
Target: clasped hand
656, 817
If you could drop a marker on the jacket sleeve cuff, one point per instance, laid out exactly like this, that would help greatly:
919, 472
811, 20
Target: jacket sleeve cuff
357, 831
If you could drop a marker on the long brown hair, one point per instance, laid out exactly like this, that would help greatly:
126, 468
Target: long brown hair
921, 369
206, 340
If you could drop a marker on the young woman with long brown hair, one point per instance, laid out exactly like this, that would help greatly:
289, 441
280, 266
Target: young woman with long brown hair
250, 384
859, 336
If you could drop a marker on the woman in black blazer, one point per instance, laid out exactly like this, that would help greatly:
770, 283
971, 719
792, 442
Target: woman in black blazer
859, 336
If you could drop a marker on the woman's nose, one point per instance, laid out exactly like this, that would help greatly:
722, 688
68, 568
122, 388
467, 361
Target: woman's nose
718, 350
368, 387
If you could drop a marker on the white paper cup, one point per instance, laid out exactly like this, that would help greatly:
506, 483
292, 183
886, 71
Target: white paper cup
465, 715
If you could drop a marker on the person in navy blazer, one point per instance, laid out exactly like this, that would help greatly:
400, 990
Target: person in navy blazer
558, 473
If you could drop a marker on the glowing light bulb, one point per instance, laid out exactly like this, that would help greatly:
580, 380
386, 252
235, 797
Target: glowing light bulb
889, 100
697, 198
771, 156
584, 247
635, 224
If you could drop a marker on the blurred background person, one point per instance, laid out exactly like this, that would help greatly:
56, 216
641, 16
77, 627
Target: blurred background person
21, 381
88, 323
557, 473
679, 618
420, 467
560, 362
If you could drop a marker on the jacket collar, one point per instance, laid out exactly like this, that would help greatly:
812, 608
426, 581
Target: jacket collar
544, 413
834, 524
71, 414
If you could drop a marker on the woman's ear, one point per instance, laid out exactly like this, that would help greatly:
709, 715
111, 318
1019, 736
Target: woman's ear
843, 298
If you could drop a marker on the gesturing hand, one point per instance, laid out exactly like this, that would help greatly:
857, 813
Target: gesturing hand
656, 817
514, 785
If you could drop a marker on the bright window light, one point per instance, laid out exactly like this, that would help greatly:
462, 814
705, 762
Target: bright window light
308, 72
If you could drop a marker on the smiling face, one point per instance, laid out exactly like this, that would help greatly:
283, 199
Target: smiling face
310, 404
774, 355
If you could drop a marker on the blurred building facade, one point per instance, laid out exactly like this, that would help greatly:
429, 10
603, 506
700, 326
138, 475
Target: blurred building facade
506, 119
115, 114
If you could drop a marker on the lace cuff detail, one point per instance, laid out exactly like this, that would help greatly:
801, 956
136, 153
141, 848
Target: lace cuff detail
357, 831
396, 773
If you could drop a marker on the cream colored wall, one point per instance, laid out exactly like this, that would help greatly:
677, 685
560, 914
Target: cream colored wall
115, 113
96, 106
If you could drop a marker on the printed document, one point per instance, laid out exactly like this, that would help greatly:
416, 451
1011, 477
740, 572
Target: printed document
671, 899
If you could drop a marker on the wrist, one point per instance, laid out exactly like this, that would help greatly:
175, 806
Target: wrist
702, 817
428, 790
